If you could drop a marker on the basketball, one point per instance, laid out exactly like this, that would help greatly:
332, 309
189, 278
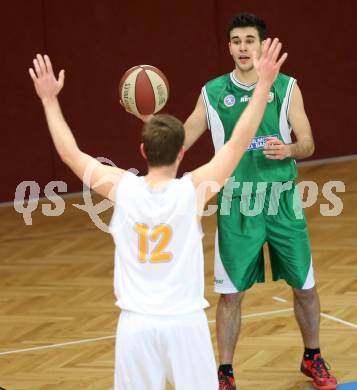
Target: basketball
144, 90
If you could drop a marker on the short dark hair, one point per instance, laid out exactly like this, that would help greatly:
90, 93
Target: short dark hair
246, 19
163, 137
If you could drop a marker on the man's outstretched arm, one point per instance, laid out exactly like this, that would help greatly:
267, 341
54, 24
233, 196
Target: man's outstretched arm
48, 88
196, 123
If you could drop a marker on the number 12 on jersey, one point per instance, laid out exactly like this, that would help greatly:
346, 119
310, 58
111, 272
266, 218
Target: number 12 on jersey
161, 234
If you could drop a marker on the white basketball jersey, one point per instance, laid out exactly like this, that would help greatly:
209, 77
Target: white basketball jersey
159, 256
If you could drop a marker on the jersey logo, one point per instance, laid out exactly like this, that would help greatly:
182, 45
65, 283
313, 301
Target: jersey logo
229, 101
246, 98
260, 142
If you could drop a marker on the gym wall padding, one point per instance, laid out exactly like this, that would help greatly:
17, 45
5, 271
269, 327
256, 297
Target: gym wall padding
96, 41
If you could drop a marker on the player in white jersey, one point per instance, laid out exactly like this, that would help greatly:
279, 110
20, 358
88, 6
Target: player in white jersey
159, 278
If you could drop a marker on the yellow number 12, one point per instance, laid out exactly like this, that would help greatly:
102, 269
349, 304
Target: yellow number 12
145, 233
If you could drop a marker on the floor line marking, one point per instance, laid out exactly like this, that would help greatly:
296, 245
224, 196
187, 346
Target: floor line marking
266, 313
339, 320
57, 345
279, 299
113, 337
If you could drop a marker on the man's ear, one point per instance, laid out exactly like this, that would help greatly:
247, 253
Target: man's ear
181, 153
229, 47
142, 150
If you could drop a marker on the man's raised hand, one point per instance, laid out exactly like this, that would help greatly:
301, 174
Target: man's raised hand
269, 63
46, 85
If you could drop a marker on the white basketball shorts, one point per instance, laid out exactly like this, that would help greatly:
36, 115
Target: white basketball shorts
153, 349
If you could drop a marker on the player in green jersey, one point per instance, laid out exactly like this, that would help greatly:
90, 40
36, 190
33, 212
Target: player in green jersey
260, 203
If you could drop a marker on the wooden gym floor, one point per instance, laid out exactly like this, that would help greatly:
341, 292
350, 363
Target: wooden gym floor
58, 319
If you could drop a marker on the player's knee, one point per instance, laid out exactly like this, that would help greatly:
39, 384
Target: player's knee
232, 300
305, 294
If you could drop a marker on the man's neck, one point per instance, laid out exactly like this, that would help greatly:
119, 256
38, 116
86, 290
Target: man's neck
157, 175
247, 78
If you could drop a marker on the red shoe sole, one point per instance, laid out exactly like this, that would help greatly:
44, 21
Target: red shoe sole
318, 387
324, 387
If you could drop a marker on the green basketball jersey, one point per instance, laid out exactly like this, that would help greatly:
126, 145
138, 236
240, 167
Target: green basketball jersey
225, 99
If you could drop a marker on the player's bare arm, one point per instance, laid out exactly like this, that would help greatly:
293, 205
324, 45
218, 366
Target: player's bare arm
304, 146
223, 163
196, 124
48, 87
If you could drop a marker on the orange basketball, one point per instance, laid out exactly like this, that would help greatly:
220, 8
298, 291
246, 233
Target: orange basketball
143, 89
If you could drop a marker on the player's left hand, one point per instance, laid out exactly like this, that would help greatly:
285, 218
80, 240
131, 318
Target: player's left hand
275, 149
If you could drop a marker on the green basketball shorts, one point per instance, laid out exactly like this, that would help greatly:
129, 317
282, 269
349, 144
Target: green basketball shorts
245, 223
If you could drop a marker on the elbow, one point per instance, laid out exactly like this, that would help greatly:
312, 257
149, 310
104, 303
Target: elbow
307, 149
67, 157
311, 150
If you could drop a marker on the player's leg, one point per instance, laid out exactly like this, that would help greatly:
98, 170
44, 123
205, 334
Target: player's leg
190, 361
290, 254
138, 361
239, 263
307, 313
228, 322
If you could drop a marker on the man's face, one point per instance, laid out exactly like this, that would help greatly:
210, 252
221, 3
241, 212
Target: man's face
244, 41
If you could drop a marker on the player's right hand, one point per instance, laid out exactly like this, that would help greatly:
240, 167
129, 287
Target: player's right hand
46, 85
144, 118
269, 63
